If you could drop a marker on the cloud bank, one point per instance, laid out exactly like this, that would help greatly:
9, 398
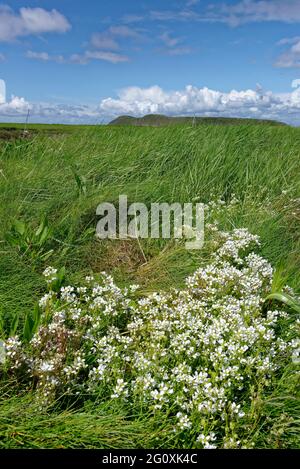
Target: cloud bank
138, 101
204, 101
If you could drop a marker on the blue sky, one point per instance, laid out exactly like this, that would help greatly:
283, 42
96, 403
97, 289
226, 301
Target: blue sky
75, 61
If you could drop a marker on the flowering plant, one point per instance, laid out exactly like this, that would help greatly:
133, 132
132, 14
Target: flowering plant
200, 355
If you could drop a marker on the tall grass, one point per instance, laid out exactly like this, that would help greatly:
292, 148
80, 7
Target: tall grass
65, 176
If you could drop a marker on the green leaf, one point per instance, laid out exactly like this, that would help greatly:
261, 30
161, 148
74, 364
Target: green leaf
36, 318
47, 254
286, 299
41, 227
19, 226
28, 328
80, 181
44, 236
14, 325
61, 274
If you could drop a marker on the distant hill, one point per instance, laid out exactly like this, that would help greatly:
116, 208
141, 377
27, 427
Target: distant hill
158, 120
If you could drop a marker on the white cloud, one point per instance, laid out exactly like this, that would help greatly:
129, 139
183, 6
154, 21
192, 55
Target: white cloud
236, 13
173, 45
124, 31
81, 59
132, 19
107, 56
204, 101
296, 83
44, 56
288, 40
168, 40
191, 3
2, 91
247, 11
291, 57
104, 41
140, 101
107, 39
38, 20
15, 107
175, 15
65, 113
103, 45
30, 21
88, 55
38, 55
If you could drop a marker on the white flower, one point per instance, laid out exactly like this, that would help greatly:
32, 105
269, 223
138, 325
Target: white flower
46, 367
197, 354
120, 389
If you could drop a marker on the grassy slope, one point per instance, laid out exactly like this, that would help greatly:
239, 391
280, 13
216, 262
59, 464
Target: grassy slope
170, 164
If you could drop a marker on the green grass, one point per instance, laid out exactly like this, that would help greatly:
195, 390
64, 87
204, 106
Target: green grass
64, 175
23, 425
63, 127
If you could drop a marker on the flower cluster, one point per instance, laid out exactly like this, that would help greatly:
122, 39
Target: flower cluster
50, 275
199, 355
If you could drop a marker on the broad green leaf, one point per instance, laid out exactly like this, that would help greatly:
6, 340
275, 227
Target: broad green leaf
19, 226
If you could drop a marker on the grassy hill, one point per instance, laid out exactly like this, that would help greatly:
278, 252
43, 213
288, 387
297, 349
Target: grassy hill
158, 120
249, 177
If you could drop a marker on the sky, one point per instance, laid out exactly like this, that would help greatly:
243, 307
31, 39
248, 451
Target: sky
89, 61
